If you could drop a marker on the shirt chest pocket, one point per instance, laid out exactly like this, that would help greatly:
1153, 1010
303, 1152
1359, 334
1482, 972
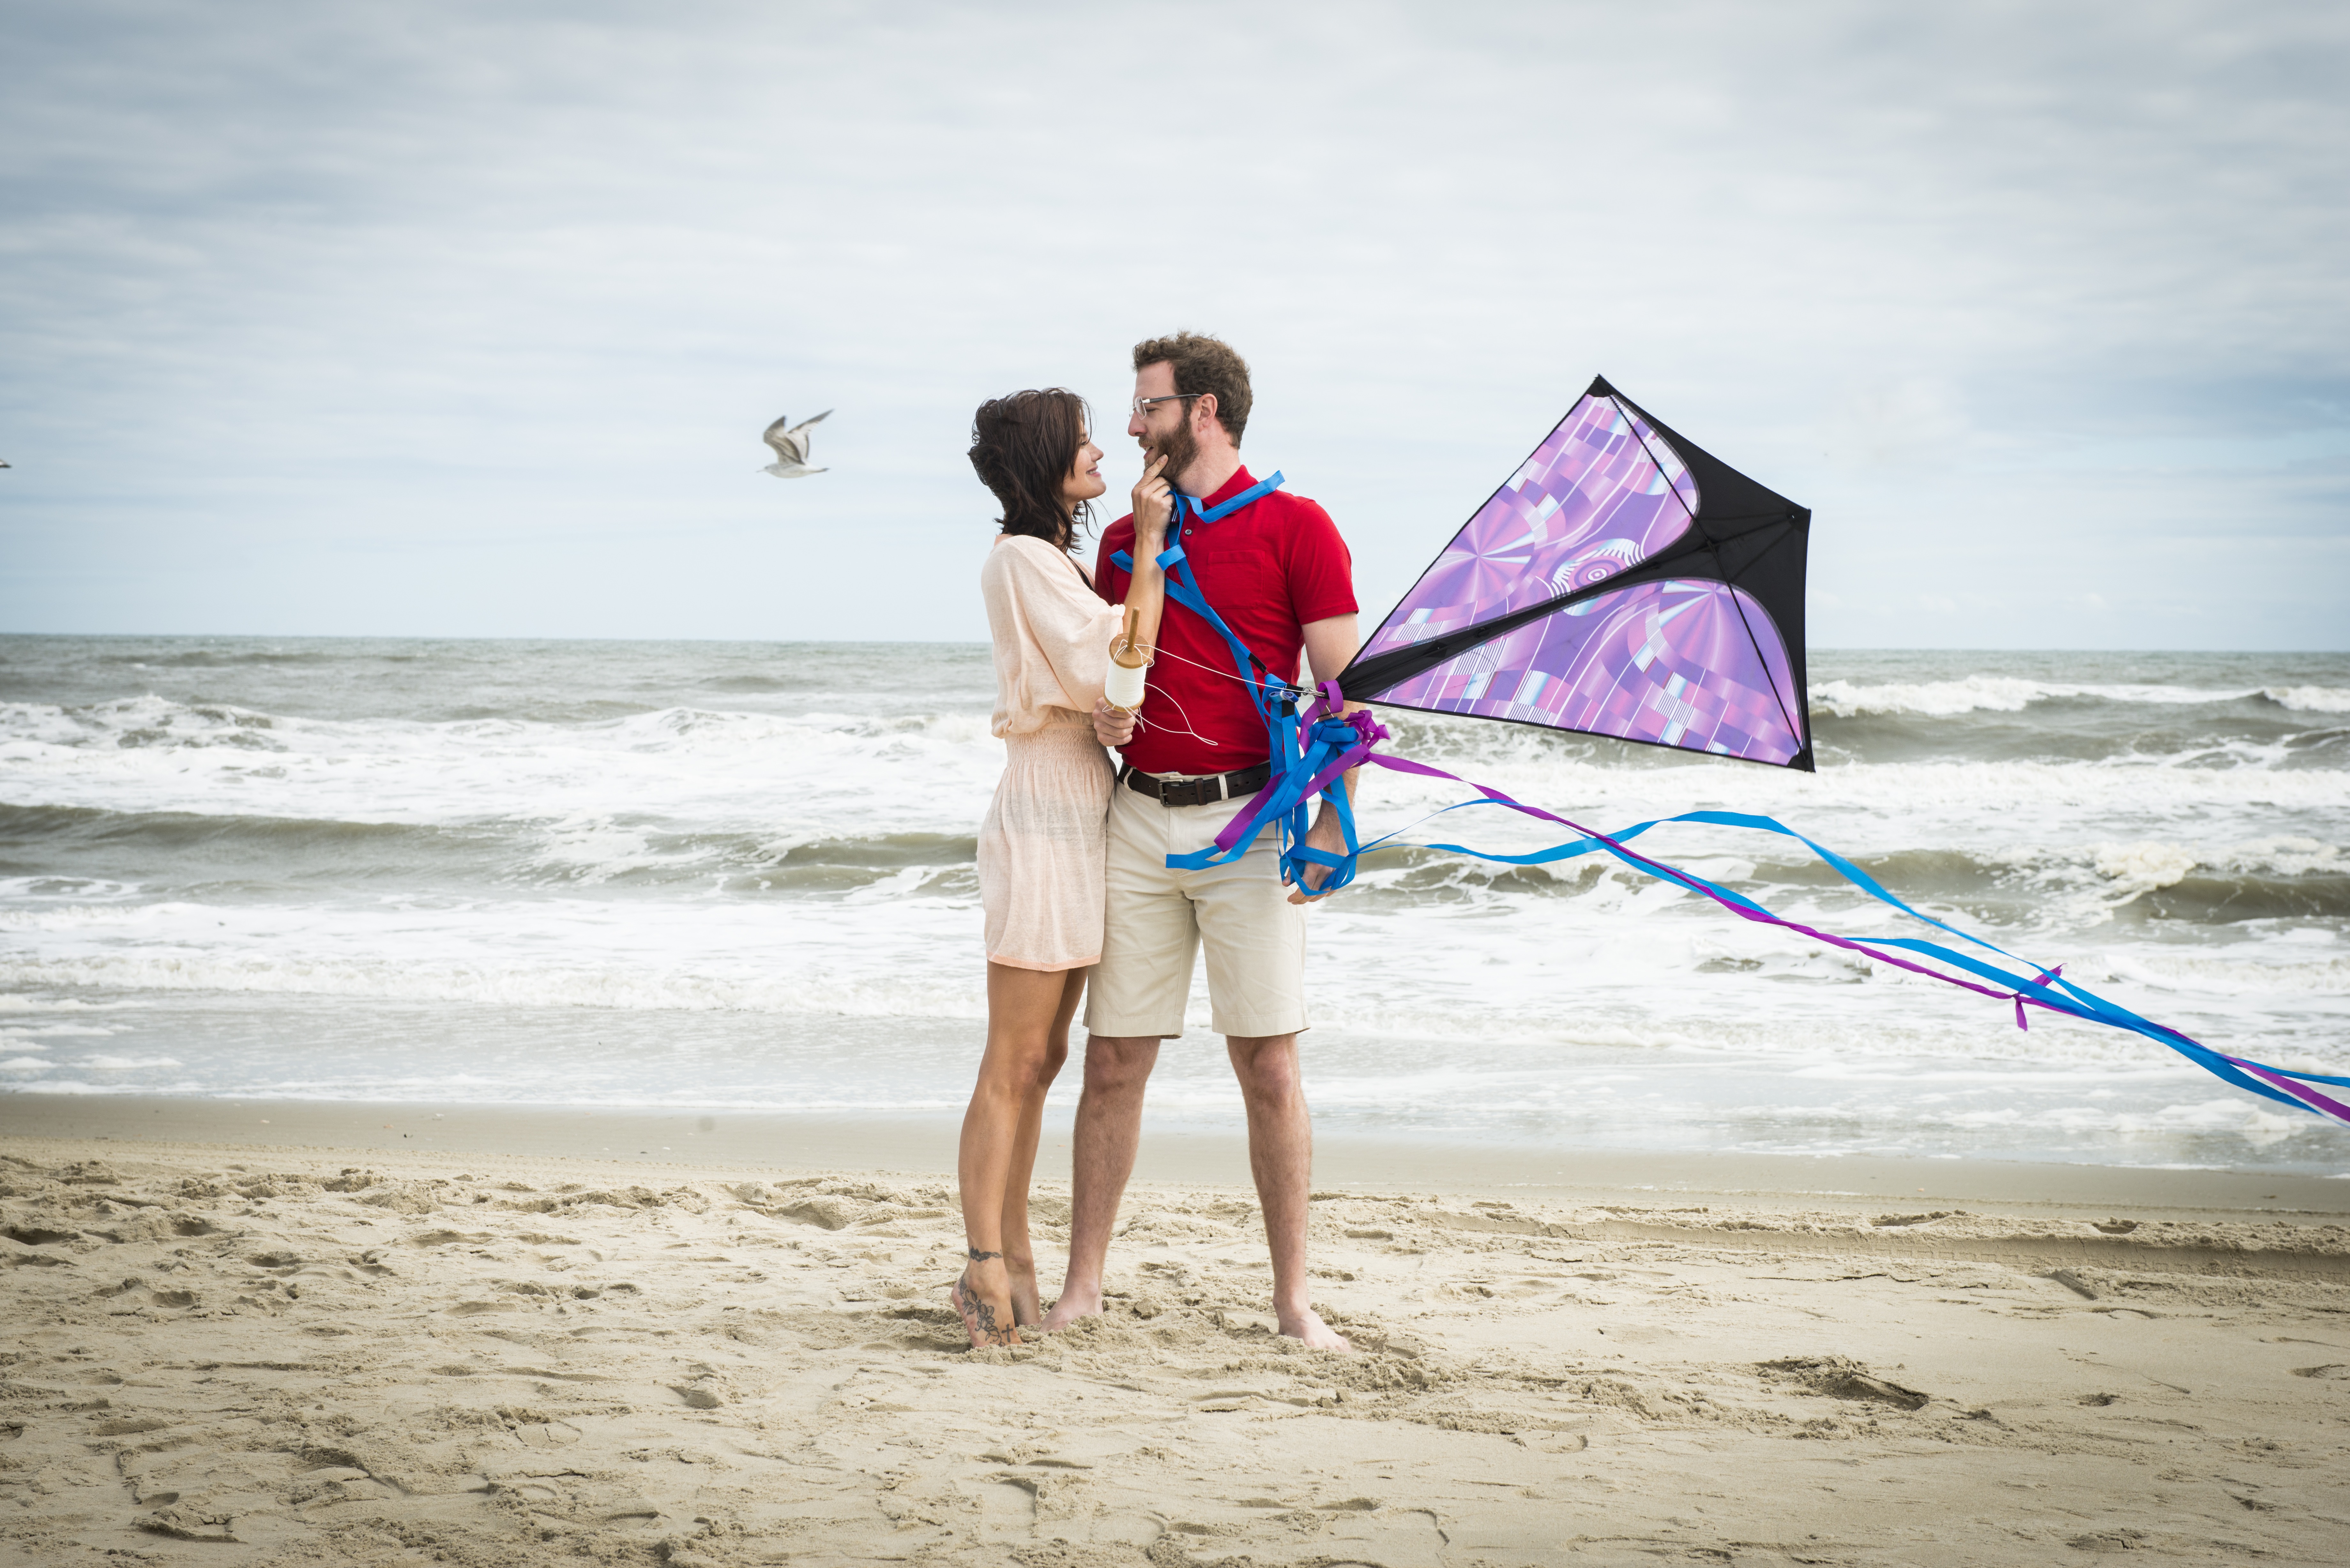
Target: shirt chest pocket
1242, 574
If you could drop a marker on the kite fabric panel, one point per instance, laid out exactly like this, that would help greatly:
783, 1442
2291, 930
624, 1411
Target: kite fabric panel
1621, 583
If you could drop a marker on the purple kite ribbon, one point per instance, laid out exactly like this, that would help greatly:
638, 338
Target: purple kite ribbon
2045, 976
1369, 733
1659, 869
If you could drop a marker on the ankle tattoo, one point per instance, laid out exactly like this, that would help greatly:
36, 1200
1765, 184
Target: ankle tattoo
979, 1257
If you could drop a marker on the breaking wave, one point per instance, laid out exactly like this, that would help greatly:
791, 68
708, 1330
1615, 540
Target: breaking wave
1845, 698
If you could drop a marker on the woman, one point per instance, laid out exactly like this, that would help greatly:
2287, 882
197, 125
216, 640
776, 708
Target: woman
1041, 847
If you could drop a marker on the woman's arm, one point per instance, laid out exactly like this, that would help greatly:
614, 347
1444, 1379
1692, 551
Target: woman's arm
1146, 591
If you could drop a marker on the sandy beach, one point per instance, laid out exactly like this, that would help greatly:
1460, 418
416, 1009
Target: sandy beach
280, 1350
559, 568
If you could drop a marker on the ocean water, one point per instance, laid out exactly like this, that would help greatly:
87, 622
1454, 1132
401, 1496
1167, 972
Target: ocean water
740, 875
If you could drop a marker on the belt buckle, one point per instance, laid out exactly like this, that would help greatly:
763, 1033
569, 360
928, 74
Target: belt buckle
1190, 791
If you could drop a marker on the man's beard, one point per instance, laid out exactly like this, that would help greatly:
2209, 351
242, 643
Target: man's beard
1179, 447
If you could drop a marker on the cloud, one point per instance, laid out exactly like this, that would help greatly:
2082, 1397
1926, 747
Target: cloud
464, 318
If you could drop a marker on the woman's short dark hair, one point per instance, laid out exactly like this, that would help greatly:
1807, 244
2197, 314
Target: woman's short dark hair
1021, 447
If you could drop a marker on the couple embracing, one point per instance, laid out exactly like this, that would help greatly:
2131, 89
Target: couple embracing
1081, 905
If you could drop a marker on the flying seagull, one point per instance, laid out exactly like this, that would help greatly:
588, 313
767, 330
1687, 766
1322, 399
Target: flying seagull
791, 448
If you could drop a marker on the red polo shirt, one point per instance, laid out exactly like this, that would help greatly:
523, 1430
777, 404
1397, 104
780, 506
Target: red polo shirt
1270, 569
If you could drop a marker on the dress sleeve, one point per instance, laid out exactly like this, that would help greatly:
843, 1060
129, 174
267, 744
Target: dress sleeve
1068, 627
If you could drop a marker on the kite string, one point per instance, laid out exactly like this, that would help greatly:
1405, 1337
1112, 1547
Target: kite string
1140, 723
1158, 653
1184, 729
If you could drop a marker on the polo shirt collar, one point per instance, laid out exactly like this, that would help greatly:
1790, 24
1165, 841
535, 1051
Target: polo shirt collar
1241, 479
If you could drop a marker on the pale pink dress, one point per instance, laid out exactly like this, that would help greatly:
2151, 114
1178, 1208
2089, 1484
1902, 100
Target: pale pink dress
1041, 848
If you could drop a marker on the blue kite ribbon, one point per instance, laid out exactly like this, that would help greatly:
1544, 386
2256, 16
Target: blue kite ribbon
1311, 756
1191, 506
2049, 990
1299, 748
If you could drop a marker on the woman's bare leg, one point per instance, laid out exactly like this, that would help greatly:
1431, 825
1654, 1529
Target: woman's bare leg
1028, 1014
1019, 1254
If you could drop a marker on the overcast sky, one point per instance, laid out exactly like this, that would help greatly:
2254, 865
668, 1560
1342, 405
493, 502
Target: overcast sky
465, 319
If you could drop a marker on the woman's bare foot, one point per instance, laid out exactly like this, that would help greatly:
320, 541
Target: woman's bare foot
1027, 1309
987, 1322
1308, 1326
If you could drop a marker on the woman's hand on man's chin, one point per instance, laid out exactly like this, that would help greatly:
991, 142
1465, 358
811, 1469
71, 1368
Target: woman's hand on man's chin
1152, 505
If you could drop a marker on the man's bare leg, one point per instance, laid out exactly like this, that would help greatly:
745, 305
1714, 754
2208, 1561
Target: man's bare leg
1109, 1130
1281, 1157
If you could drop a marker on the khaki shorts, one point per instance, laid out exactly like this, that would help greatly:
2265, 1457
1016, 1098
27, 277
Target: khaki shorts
1158, 919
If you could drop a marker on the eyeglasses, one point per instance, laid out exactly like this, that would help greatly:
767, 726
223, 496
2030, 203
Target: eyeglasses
1142, 405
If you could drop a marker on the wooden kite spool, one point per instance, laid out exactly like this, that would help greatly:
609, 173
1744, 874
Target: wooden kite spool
1129, 664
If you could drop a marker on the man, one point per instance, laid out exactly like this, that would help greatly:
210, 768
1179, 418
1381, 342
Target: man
1278, 572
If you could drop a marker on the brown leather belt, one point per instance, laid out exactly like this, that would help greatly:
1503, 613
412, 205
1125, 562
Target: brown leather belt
1197, 792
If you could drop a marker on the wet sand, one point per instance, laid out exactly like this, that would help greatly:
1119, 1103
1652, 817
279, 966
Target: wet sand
836, 1141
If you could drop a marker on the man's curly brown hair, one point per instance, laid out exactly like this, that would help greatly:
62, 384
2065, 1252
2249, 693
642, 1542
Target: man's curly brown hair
1204, 364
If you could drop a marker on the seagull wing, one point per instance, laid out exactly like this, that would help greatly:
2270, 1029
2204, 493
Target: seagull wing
789, 444
817, 419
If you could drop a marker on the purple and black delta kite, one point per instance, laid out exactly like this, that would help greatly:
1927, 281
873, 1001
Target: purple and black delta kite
1624, 582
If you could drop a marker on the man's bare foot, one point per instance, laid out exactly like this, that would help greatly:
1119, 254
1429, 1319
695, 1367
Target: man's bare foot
1308, 1326
986, 1321
1073, 1306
